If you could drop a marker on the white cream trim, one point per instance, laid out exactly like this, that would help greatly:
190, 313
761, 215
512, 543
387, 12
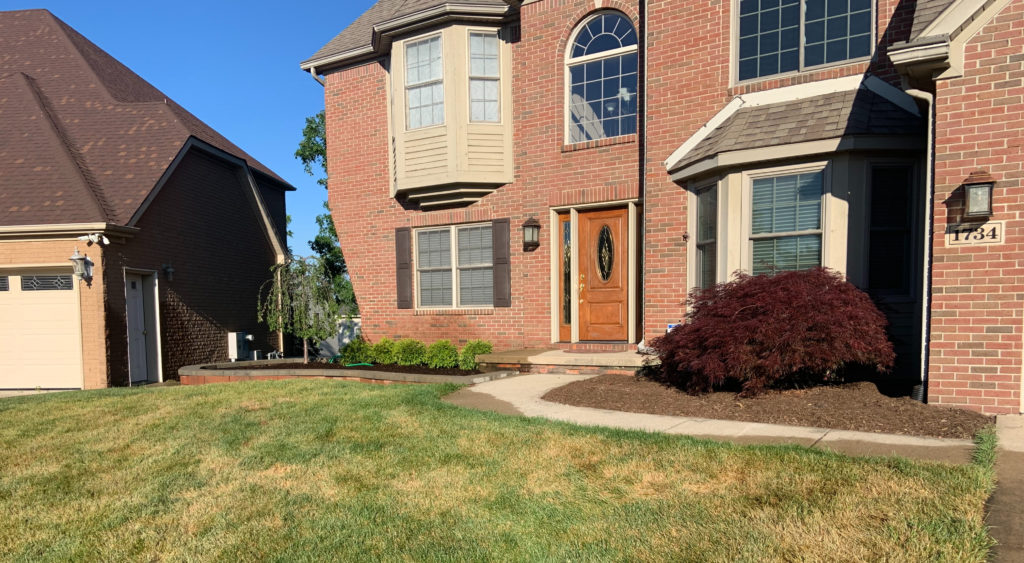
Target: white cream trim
774, 96
826, 231
795, 150
898, 97
632, 273
951, 18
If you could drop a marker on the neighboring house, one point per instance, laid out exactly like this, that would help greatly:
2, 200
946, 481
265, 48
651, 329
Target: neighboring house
663, 146
193, 223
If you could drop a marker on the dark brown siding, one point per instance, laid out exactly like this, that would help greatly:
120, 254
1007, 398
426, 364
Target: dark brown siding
203, 224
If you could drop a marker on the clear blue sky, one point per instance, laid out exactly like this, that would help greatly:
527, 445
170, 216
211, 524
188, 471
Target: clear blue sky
234, 64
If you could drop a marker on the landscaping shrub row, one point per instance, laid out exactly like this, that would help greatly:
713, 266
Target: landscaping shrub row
411, 352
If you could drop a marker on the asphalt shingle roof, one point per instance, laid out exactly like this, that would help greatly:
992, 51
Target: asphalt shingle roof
839, 114
360, 32
84, 138
925, 13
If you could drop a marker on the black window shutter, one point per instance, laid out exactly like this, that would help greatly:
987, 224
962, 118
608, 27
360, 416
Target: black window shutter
501, 250
403, 266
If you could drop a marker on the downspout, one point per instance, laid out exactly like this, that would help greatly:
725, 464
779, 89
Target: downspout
312, 72
920, 392
642, 226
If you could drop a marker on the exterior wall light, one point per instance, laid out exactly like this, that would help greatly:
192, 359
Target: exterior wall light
978, 194
82, 266
531, 234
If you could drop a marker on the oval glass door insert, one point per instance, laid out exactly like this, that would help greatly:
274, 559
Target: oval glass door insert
605, 253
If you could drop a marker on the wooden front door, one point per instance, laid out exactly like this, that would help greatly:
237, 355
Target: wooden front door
603, 269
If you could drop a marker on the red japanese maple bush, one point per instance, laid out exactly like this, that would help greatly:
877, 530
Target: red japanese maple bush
777, 330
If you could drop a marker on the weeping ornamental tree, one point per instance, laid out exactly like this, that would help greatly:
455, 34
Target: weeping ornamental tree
299, 300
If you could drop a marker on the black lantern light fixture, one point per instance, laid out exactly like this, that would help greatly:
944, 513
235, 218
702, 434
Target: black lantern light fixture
82, 266
978, 190
531, 234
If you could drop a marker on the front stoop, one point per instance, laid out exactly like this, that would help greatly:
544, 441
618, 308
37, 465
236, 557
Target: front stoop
588, 362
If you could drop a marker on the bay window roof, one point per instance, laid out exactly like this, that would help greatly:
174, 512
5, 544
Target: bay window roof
370, 34
857, 112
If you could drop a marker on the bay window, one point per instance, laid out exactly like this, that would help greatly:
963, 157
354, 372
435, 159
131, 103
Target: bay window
785, 226
424, 83
483, 77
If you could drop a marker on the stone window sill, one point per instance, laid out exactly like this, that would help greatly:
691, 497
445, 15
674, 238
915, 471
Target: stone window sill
620, 140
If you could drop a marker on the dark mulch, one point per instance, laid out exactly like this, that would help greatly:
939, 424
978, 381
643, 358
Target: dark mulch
851, 406
299, 366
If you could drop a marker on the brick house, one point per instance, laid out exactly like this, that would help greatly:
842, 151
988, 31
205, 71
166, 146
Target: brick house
181, 226
662, 146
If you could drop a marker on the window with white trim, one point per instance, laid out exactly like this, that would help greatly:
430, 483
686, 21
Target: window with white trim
786, 226
484, 73
5, 285
424, 83
602, 78
778, 36
465, 281
707, 234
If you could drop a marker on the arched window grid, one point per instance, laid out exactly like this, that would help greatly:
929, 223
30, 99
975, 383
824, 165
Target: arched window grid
601, 79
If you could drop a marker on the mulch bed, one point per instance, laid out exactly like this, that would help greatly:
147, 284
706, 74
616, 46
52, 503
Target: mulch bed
299, 366
852, 406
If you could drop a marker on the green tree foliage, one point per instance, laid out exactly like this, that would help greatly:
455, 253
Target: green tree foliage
299, 300
312, 152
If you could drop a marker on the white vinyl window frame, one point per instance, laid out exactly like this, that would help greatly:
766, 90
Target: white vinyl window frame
748, 178
454, 267
734, 49
409, 86
571, 61
484, 77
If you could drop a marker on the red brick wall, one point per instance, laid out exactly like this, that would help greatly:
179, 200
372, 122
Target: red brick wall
202, 223
979, 290
688, 59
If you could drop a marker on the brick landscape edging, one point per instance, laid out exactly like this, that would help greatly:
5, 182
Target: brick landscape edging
237, 371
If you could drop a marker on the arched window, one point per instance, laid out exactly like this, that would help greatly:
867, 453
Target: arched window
602, 69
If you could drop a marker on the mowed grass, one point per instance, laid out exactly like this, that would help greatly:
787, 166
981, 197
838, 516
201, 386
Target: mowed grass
334, 470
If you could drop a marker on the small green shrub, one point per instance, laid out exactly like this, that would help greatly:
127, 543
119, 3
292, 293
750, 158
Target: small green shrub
410, 352
473, 348
357, 351
383, 352
442, 354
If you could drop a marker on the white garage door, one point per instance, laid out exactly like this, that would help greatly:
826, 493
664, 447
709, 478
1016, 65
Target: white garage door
40, 330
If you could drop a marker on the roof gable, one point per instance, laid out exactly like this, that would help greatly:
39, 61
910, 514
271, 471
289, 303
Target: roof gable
121, 132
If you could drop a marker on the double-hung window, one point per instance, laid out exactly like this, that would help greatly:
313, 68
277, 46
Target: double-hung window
777, 36
786, 226
483, 77
424, 83
454, 267
706, 241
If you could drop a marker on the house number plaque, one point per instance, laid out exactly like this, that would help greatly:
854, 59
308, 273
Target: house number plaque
975, 234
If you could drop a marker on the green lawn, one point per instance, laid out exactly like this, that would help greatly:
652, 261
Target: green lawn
317, 469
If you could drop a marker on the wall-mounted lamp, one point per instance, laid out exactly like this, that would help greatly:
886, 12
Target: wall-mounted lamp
168, 272
531, 234
82, 265
978, 194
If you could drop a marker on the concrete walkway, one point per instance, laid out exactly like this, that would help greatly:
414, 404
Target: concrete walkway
522, 395
1006, 507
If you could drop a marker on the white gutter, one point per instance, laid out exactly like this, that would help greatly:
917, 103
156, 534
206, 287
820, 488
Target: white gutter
65, 229
312, 72
928, 234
